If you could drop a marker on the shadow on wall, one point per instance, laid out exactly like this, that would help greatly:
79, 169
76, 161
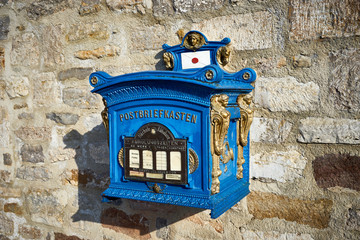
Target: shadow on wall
134, 218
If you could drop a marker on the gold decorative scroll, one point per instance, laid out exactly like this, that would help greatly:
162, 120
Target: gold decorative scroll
105, 118
243, 127
169, 60
220, 149
223, 55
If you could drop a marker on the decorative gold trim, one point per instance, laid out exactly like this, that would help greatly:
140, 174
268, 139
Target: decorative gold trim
169, 60
94, 80
193, 161
209, 74
121, 157
243, 128
246, 76
105, 118
223, 55
193, 41
220, 149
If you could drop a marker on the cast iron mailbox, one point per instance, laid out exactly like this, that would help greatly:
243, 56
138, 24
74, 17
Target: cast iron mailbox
180, 136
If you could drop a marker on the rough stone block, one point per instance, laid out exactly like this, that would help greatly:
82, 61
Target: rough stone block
80, 98
3, 2
3, 115
129, 5
29, 232
5, 135
106, 51
85, 178
7, 159
197, 6
337, 170
78, 73
353, 221
2, 90
89, 6
315, 213
135, 226
329, 130
46, 89
4, 27
34, 133
63, 118
40, 8
8, 192
163, 7
149, 38
301, 61
14, 208
246, 31
323, 18
26, 116
25, 50
33, 173
5, 176
32, 153
52, 46
286, 94
99, 152
83, 31
162, 228
344, 84
2, 59
6, 225
278, 166
17, 86
61, 236
257, 235
269, 130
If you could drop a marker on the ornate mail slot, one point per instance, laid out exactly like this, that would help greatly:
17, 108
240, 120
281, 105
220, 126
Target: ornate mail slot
180, 136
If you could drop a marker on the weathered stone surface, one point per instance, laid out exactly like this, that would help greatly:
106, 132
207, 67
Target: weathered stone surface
2, 89
5, 176
286, 94
63, 118
6, 225
29, 232
129, 5
149, 39
301, 61
135, 226
46, 89
32, 153
17, 86
344, 80
89, 6
247, 235
8, 192
106, 51
85, 178
4, 27
2, 59
337, 170
78, 73
353, 221
40, 8
47, 206
34, 133
33, 173
315, 213
276, 165
323, 18
26, 116
269, 130
80, 98
3, 115
7, 159
217, 225
84, 31
5, 137
163, 7
25, 50
20, 106
99, 152
52, 45
3, 237
14, 208
162, 229
195, 5
61, 236
3, 2
329, 130
246, 31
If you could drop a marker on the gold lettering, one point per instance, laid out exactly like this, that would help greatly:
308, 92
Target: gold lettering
131, 115
121, 117
166, 114
155, 113
146, 113
188, 117
177, 115
172, 114
126, 116
135, 113
141, 114
182, 115
193, 119
150, 113
160, 113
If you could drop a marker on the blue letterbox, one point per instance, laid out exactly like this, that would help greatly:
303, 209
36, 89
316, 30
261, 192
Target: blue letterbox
181, 136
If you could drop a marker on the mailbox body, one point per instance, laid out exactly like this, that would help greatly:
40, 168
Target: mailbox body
161, 134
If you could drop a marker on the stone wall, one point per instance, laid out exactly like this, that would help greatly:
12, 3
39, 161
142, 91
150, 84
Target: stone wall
305, 139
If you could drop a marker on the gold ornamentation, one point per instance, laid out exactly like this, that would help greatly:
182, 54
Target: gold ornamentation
156, 188
193, 161
193, 41
246, 76
169, 60
209, 74
220, 149
243, 127
121, 157
94, 80
223, 55
105, 118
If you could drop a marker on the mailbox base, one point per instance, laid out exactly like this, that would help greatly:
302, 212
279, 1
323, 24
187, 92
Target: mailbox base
218, 203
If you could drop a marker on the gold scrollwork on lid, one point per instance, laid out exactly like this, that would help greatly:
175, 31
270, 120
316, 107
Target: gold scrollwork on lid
193, 41
105, 118
121, 157
169, 60
193, 161
223, 55
243, 128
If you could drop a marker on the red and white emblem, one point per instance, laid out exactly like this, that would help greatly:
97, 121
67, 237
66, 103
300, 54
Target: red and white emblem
195, 59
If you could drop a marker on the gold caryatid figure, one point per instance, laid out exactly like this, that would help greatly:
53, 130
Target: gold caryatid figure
220, 149
243, 128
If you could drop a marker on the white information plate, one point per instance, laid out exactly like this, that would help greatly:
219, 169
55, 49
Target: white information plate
134, 158
147, 159
173, 177
161, 160
175, 161
154, 175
